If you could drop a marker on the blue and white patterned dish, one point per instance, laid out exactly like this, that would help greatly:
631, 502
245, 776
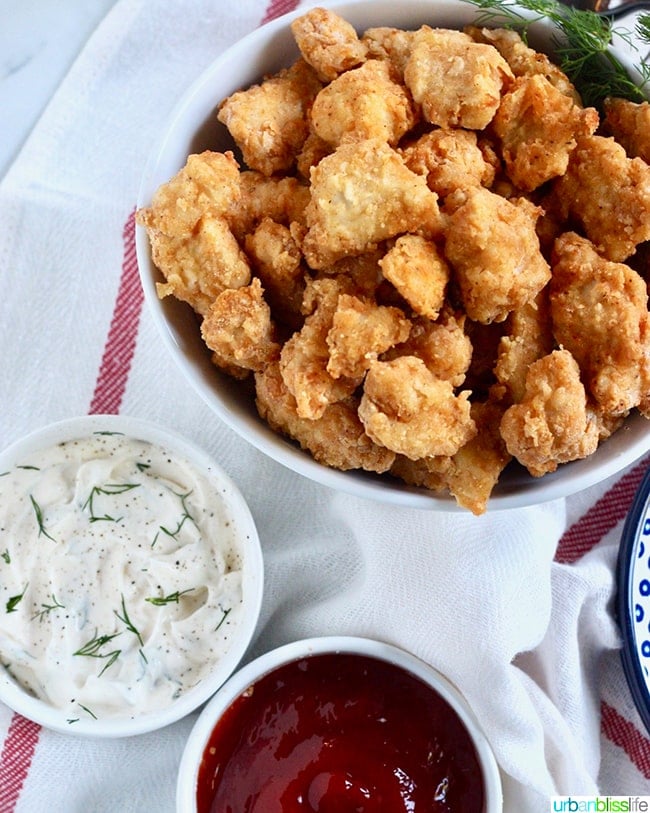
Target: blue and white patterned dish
633, 600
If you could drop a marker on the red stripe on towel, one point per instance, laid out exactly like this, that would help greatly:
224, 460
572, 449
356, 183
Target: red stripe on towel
122, 334
624, 734
603, 515
22, 736
278, 7
16, 759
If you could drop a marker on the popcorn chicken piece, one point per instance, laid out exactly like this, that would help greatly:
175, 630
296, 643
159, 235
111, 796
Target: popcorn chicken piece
269, 121
336, 439
327, 42
476, 467
282, 199
393, 45
405, 408
363, 103
494, 250
539, 126
198, 268
276, 259
419, 271
206, 185
427, 472
529, 338
305, 356
629, 123
360, 195
443, 346
608, 195
450, 160
362, 330
313, 151
551, 425
523, 60
457, 81
238, 329
600, 314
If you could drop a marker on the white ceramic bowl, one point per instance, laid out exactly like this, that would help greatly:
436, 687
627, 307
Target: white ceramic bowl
231, 509
192, 128
299, 650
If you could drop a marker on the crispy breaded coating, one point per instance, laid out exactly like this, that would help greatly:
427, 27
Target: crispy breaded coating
268, 122
393, 45
450, 159
277, 261
207, 185
551, 425
523, 60
305, 356
405, 408
476, 467
443, 346
529, 337
458, 82
360, 195
327, 42
282, 199
362, 330
336, 439
238, 329
363, 103
608, 195
419, 271
539, 126
629, 123
313, 151
427, 472
494, 250
600, 313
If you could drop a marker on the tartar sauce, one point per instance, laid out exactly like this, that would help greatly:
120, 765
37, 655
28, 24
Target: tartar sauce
120, 576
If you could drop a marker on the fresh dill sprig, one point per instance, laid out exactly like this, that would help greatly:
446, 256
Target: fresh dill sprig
643, 27
582, 47
6, 556
14, 601
171, 598
47, 609
38, 511
225, 615
124, 618
108, 490
92, 648
185, 516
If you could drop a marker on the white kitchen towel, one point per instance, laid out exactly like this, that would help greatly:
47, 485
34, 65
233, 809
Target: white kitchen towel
514, 607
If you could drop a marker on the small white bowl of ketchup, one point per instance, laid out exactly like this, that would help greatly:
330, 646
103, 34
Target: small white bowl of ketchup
337, 723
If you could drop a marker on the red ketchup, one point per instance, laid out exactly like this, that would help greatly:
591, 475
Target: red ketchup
339, 733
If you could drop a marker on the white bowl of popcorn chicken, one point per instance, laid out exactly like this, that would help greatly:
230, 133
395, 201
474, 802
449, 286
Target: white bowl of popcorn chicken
394, 251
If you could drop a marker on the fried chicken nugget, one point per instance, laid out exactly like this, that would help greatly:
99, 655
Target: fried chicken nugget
494, 250
305, 356
419, 271
458, 82
363, 103
406, 409
600, 314
238, 329
393, 45
523, 60
442, 345
539, 126
629, 123
529, 337
608, 194
282, 199
336, 439
191, 241
327, 42
268, 122
476, 467
362, 194
450, 159
361, 331
552, 424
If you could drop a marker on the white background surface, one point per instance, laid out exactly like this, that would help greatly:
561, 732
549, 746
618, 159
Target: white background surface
39, 40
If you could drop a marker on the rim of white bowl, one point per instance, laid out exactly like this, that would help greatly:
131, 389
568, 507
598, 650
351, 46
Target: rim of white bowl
337, 644
263, 50
53, 718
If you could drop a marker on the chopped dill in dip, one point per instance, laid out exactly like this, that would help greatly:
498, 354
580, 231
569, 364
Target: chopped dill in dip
120, 576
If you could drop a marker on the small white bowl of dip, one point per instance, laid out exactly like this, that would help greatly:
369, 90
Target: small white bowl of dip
131, 576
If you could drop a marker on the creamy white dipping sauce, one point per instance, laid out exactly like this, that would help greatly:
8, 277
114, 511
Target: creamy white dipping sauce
120, 576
